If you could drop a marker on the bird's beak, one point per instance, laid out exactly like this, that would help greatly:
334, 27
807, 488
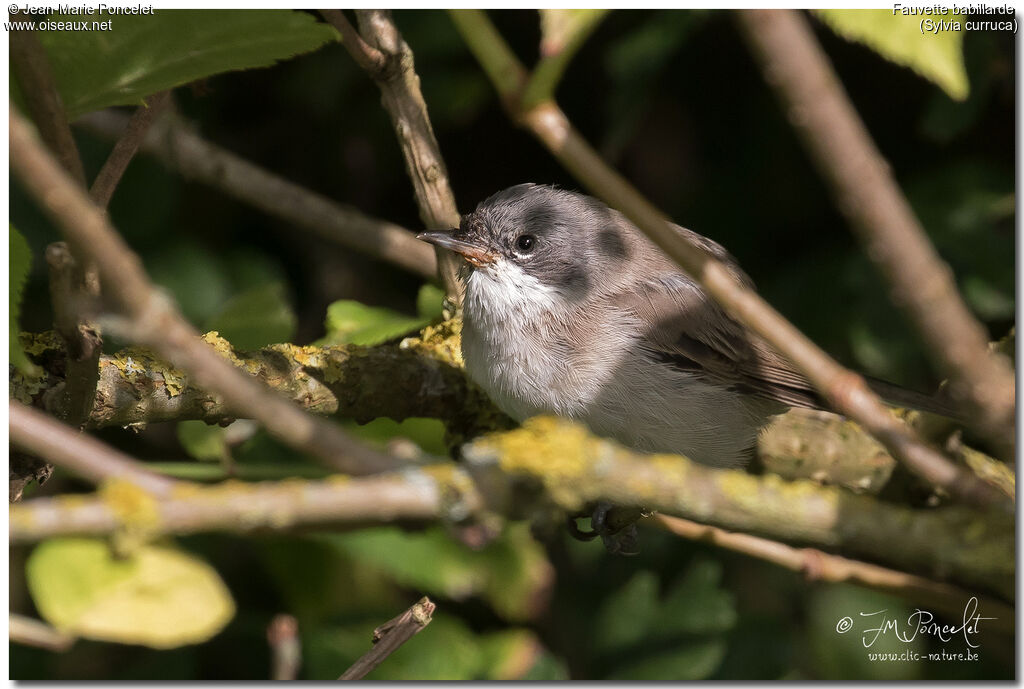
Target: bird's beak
474, 253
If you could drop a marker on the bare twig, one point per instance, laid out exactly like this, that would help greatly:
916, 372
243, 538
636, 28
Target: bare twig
242, 507
820, 110
365, 55
124, 150
195, 158
156, 322
388, 637
32, 69
285, 648
30, 632
845, 390
820, 566
87, 457
389, 62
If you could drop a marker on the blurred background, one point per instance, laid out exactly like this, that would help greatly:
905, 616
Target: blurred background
674, 100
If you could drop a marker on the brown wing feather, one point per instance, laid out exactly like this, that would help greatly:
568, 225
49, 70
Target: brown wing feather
693, 333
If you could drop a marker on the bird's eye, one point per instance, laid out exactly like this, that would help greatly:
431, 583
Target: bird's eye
525, 243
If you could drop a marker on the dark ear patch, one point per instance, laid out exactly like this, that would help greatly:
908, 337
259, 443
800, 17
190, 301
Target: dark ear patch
611, 244
575, 278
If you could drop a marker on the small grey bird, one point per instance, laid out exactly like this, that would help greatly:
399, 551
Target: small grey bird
571, 310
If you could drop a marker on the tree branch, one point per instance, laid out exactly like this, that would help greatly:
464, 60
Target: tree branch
155, 321
285, 647
846, 391
74, 292
923, 285
87, 457
555, 464
400, 93
193, 157
576, 469
388, 637
127, 145
30, 632
420, 377
242, 508
816, 565
31, 67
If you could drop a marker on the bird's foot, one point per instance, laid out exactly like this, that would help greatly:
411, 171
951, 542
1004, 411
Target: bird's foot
615, 525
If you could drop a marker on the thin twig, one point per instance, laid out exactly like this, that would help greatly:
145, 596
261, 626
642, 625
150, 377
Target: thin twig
285, 648
400, 93
816, 565
923, 285
365, 55
388, 637
156, 322
242, 508
87, 457
845, 390
193, 157
31, 632
32, 69
124, 150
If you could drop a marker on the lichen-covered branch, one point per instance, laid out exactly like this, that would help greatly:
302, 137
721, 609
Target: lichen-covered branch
153, 320
845, 390
548, 463
574, 468
234, 507
816, 565
180, 149
419, 377
923, 286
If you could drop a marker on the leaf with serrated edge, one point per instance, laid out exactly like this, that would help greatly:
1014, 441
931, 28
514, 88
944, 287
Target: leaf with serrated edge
143, 54
898, 38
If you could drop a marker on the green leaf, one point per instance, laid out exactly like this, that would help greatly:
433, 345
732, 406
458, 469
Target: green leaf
678, 636
202, 441
142, 54
349, 322
159, 597
430, 302
938, 57
20, 265
257, 317
560, 29
510, 573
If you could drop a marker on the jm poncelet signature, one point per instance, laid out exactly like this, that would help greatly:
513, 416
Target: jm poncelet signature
918, 623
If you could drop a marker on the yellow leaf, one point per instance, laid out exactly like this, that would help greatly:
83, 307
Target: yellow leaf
934, 50
159, 597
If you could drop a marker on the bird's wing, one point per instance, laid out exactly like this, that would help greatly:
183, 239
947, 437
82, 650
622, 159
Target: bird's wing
688, 330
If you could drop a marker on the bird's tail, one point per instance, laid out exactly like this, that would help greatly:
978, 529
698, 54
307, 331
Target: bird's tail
902, 397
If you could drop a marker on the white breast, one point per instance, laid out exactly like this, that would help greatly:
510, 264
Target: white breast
529, 363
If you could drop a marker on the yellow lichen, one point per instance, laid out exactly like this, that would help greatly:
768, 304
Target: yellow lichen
135, 510
221, 346
35, 344
442, 342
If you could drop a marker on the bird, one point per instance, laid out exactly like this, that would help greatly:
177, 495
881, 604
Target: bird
571, 310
